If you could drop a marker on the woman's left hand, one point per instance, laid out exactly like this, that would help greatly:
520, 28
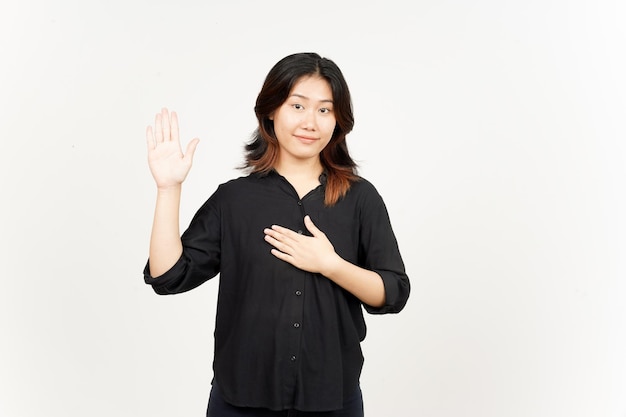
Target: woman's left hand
310, 253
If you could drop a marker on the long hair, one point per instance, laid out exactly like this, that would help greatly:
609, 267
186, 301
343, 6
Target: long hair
261, 153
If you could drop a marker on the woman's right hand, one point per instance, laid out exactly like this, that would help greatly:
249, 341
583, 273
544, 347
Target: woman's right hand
168, 165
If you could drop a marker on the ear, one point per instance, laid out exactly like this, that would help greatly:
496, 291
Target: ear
271, 116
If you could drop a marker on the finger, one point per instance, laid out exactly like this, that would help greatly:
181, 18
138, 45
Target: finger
282, 256
158, 128
284, 232
273, 234
174, 126
191, 149
165, 119
277, 244
150, 138
285, 236
311, 226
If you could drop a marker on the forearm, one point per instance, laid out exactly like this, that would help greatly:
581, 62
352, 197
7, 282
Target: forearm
165, 243
364, 284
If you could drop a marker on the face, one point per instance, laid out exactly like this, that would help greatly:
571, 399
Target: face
305, 122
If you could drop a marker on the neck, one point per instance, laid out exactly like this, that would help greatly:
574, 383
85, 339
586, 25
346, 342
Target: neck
311, 169
303, 176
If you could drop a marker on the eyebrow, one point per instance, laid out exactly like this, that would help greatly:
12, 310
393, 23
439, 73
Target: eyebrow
306, 98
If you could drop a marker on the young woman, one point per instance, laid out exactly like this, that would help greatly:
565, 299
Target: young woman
302, 244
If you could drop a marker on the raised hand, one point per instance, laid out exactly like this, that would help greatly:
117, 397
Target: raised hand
168, 165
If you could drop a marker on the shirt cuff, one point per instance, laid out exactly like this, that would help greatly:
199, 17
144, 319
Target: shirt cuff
396, 293
161, 283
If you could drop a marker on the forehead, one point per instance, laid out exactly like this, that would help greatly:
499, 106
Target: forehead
312, 87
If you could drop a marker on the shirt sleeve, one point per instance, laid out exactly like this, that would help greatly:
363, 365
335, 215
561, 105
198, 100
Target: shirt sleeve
379, 252
200, 260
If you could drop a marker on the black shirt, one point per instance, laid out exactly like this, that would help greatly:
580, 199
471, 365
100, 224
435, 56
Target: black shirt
286, 338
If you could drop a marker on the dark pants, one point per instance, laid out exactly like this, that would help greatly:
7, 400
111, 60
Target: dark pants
220, 408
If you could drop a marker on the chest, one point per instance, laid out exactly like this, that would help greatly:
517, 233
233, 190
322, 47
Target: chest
244, 220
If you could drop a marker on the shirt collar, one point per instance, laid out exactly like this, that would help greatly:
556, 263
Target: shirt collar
323, 178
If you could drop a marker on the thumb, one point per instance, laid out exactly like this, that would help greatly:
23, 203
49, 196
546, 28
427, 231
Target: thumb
311, 227
191, 148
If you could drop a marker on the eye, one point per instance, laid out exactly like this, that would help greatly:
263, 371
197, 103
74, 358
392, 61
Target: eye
325, 110
297, 106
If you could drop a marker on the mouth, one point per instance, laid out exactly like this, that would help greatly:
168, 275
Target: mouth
306, 139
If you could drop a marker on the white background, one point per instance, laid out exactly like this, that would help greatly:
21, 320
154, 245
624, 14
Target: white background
493, 129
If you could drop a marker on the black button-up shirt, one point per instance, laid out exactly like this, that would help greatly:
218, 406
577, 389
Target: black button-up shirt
286, 338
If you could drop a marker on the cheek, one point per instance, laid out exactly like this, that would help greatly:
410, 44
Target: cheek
328, 135
287, 122
328, 127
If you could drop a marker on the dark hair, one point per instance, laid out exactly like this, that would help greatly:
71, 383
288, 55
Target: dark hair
262, 151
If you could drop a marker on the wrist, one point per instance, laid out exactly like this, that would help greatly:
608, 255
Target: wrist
332, 266
169, 189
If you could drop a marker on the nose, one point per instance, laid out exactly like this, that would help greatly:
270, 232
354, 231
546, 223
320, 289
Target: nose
308, 120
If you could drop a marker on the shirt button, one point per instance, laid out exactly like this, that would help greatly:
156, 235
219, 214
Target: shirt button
296, 325
298, 293
299, 203
299, 232
293, 358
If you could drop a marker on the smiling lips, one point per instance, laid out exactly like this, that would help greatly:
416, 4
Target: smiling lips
305, 139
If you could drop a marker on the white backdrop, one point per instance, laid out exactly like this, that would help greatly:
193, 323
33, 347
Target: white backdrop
493, 129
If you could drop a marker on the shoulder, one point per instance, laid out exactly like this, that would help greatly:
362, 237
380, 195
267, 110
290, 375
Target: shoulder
363, 184
236, 185
362, 188
362, 196
237, 189
227, 191
368, 202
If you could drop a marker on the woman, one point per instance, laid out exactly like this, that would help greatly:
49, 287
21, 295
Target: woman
301, 244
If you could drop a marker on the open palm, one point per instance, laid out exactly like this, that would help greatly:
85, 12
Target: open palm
168, 164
